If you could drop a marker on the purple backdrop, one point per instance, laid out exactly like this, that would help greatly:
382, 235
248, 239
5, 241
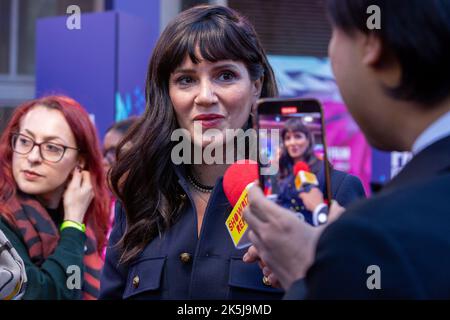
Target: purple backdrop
101, 65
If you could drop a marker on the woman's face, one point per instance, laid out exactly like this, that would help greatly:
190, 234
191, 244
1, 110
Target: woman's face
212, 95
33, 174
296, 144
110, 143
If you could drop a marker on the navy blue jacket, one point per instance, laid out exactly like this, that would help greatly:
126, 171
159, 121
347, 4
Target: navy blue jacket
404, 231
179, 265
345, 189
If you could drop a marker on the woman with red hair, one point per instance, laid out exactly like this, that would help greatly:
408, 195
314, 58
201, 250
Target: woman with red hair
53, 197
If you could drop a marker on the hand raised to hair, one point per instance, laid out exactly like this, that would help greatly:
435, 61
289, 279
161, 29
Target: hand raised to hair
78, 196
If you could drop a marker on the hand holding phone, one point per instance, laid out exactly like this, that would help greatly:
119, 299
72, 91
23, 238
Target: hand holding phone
78, 195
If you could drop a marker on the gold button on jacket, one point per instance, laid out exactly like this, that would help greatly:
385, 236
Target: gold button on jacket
185, 257
136, 281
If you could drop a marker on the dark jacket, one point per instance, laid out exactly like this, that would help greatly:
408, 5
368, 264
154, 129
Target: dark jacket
345, 188
179, 265
398, 240
49, 281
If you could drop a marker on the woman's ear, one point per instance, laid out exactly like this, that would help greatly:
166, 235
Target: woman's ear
81, 162
257, 87
384, 63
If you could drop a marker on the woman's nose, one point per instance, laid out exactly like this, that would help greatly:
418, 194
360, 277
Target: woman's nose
206, 95
34, 155
288, 142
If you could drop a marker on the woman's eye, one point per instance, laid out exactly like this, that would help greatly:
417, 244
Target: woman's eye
226, 76
24, 142
52, 148
184, 80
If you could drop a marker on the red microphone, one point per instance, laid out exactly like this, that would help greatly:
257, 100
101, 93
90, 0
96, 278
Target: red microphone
304, 180
237, 177
236, 181
301, 166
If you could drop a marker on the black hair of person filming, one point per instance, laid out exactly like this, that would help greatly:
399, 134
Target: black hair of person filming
169, 239
396, 245
298, 145
53, 197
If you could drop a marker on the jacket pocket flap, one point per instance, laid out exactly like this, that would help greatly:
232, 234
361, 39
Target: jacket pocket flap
144, 275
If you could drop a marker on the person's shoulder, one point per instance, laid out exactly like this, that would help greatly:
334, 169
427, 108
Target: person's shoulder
386, 231
12, 233
346, 188
7, 227
344, 178
419, 205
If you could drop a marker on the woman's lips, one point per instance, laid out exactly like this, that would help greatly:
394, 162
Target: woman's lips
31, 175
294, 151
209, 120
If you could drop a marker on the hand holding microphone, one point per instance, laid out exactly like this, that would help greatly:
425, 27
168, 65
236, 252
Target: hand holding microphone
304, 178
314, 202
307, 184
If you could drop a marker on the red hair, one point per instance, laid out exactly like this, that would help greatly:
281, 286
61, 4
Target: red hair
86, 140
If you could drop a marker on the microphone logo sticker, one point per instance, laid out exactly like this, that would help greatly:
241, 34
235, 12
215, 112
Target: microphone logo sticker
236, 225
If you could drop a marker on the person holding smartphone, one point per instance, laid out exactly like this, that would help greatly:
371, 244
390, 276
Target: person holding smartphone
53, 197
169, 239
298, 146
396, 244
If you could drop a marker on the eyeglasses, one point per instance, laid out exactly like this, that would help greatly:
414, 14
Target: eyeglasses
49, 151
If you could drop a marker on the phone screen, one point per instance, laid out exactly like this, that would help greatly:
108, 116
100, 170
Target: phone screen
291, 138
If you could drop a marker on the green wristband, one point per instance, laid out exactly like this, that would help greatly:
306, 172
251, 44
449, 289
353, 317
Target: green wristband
73, 224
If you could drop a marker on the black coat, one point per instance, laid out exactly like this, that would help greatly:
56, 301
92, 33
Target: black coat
404, 231
179, 265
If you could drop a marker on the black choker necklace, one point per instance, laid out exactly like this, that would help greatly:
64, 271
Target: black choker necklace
197, 185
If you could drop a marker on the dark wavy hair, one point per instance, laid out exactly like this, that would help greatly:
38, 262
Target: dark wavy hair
144, 177
286, 162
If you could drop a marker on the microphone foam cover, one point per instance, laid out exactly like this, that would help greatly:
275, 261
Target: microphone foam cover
237, 177
301, 166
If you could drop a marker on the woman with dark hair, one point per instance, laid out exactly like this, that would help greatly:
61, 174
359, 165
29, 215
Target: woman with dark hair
53, 197
298, 145
169, 239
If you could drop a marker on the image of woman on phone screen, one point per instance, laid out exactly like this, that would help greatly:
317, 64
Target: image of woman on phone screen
297, 145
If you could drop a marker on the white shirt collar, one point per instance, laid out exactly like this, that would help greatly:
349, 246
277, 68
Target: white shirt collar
436, 131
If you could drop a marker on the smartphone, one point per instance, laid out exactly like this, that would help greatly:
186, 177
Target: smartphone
291, 135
